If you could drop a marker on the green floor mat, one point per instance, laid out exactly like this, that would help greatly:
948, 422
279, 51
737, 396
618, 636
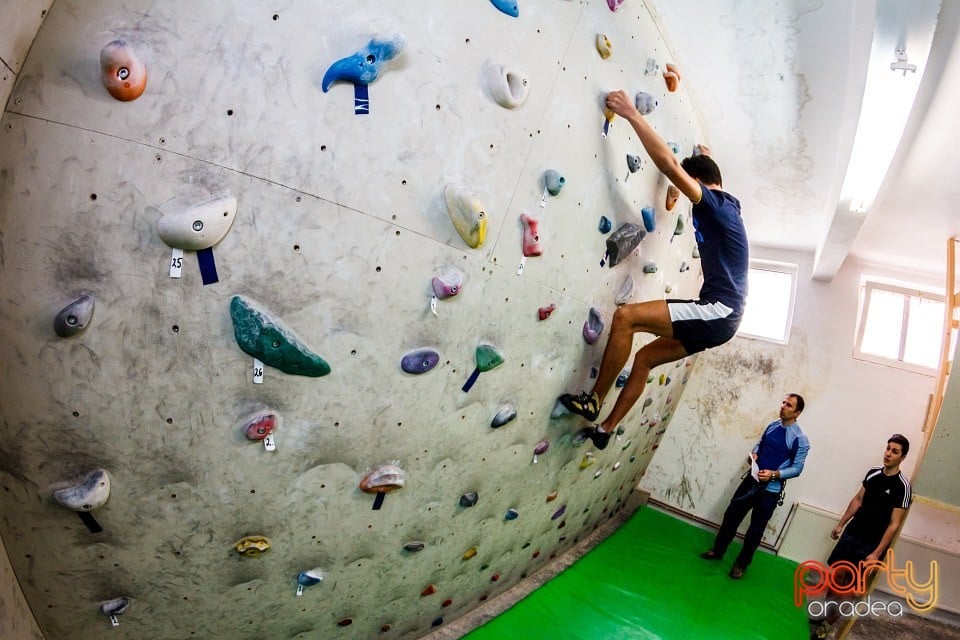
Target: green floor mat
647, 581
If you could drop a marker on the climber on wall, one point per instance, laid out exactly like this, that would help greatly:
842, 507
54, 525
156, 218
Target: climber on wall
682, 327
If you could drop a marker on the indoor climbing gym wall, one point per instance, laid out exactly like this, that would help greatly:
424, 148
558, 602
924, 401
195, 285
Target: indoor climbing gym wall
288, 294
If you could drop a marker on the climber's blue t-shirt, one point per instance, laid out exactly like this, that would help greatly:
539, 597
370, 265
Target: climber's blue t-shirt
724, 253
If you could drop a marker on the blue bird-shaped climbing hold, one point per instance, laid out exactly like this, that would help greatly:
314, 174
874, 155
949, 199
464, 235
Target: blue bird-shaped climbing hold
271, 342
363, 67
509, 7
605, 224
511, 514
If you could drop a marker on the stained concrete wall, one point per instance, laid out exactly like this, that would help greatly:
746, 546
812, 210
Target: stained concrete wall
853, 406
340, 227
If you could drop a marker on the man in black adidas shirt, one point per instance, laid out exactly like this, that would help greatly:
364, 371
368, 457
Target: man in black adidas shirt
875, 513
871, 519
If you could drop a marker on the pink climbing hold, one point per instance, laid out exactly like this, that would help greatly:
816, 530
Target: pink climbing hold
531, 236
614, 4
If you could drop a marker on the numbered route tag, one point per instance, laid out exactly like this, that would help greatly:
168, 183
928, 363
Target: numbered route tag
114, 620
269, 443
257, 372
433, 305
543, 199
299, 590
176, 263
523, 263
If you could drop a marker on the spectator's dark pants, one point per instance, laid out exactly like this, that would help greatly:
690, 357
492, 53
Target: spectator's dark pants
749, 495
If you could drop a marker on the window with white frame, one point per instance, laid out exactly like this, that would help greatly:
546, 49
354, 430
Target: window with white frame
900, 326
772, 290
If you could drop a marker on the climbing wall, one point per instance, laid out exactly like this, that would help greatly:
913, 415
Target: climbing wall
310, 227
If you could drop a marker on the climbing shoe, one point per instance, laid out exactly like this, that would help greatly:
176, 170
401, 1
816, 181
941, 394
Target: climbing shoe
599, 438
583, 404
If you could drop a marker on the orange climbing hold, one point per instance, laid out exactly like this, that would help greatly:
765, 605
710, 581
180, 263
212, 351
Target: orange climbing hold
123, 74
672, 77
672, 195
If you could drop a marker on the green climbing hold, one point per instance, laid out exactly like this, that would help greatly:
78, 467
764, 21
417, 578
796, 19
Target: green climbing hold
488, 357
271, 342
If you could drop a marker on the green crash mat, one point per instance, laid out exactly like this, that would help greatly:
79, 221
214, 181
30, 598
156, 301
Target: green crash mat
647, 581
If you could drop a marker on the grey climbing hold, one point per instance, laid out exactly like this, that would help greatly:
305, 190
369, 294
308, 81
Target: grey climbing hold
646, 103
623, 241
553, 181
90, 493
469, 499
198, 226
625, 292
508, 87
633, 162
114, 607
650, 267
74, 317
505, 415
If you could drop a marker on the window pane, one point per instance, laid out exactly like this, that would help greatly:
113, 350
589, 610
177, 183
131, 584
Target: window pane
768, 304
924, 332
882, 329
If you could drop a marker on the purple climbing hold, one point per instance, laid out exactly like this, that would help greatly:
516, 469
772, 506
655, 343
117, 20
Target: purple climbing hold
420, 361
540, 449
593, 326
559, 512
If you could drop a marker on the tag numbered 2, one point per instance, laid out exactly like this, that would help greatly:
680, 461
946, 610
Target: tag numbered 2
269, 443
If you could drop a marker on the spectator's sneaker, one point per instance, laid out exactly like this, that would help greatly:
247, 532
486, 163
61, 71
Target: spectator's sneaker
823, 631
583, 404
711, 555
599, 438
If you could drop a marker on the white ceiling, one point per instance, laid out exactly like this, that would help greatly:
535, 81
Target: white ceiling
780, 86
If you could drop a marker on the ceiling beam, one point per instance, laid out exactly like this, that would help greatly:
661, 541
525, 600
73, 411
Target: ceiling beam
903, 33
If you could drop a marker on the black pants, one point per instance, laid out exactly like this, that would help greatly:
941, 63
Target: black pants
749, 495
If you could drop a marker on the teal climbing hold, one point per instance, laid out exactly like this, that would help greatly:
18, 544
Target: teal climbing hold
271, 342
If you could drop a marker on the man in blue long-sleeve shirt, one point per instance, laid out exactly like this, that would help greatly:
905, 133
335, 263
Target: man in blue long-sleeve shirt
779, 455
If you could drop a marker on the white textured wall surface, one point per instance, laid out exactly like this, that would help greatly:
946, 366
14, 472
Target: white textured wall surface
852, 407
340, 226
19, 22
16, 620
